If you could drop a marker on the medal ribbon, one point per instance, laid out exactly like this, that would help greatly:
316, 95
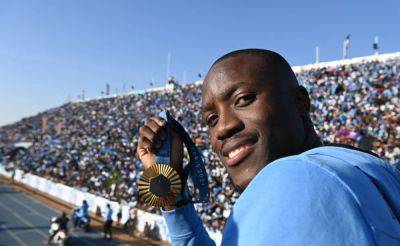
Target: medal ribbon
196, 167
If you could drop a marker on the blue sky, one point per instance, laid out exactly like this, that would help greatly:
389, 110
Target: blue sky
52, 49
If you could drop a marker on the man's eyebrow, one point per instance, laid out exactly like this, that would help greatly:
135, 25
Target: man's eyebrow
231, 89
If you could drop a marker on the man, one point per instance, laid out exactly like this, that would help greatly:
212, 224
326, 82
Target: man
62, 222
294, 190
12, 167
131, 224
119, 214
147, 229
107, 222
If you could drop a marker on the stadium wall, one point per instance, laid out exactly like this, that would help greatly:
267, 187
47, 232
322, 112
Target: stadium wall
75, 197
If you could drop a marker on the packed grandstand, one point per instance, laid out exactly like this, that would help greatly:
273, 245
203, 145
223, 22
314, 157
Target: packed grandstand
91, 144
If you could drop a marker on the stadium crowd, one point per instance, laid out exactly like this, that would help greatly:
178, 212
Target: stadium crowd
91, 145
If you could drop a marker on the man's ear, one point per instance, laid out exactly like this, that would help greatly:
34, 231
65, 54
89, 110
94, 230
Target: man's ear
302, 100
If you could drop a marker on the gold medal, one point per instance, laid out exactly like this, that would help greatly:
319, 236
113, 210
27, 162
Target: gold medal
160, 185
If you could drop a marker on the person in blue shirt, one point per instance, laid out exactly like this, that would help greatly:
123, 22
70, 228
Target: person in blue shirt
107, 222
295, 190
80, 216
84, 211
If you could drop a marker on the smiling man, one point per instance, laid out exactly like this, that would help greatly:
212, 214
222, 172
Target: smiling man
256, 112
294, 190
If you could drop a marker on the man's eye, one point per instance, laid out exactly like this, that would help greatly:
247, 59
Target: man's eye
245, 100
212, 120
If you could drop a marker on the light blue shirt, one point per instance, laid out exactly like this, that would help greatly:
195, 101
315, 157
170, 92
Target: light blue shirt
325, 196
84, 211
107, 214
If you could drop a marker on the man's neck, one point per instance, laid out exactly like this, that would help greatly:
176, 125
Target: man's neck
311, 139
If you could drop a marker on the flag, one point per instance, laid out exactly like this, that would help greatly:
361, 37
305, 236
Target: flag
347, 41
346, 45
375, 45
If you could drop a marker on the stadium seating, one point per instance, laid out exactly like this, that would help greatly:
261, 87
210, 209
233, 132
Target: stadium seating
91, 144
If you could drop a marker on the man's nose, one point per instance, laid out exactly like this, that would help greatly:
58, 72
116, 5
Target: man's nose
228, 124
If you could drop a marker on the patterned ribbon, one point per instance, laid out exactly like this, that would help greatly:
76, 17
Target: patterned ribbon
195, 170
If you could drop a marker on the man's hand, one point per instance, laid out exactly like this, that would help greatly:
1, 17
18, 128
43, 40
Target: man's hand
151, 135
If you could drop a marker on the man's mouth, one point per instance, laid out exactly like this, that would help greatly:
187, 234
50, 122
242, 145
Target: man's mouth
238, 152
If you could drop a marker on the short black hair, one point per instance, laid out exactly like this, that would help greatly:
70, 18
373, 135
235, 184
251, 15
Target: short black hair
270, 57
267, 53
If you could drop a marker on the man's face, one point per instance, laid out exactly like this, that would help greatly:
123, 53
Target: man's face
251, 120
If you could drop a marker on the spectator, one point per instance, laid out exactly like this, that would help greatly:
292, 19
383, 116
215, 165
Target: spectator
147, 229
119, 215
132, 222
155, 232
108, 222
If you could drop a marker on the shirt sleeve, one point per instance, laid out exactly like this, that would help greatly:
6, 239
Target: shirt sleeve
185, 227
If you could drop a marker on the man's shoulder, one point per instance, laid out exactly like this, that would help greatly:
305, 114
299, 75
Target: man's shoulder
334, 159
329, 187
312, 170
346, 166
313, 165
324, 172
362, 181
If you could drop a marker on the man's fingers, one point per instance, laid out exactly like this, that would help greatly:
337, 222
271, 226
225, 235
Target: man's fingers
144, 153
160, 121
151, 135
146, 132
142, 150
144, 144
157, 129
